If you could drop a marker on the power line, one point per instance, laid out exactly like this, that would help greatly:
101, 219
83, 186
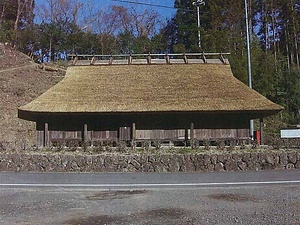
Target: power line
150, 4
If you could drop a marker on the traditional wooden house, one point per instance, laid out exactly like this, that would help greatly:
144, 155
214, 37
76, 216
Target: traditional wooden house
147, 101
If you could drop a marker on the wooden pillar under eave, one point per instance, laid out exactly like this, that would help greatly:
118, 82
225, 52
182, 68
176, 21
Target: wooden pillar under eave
133, 136
64, 138
119, 134
261, 128
192, 136
186, 136
85, 133
46, 136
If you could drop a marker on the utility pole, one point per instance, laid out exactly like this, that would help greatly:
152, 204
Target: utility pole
198, 3
249, 61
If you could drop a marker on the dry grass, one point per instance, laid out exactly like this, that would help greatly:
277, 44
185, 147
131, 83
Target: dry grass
18, 87
10, 58
151, 88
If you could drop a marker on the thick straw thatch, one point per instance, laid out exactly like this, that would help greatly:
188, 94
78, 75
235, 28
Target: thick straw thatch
151, 88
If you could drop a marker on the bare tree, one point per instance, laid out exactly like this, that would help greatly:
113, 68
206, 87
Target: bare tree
144, 23
2, 8
60, 11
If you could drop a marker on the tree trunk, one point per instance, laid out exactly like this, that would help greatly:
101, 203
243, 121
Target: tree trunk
2, 13
250, 19
295, 35
287, 50
266, 26
17, 17
274, 35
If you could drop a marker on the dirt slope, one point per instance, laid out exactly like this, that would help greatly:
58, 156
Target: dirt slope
20, 82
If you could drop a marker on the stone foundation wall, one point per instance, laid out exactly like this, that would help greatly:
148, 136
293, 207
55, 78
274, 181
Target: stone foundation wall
149, 162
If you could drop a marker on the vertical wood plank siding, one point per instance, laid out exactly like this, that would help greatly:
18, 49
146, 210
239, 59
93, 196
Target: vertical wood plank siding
150, 135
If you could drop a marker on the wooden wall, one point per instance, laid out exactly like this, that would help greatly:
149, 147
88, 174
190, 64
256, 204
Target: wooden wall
124, 134
143, 126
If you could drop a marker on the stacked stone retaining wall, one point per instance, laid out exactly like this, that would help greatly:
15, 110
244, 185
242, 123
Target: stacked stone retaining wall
70, 162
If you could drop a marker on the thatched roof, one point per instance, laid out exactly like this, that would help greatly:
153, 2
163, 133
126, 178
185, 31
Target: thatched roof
150, 88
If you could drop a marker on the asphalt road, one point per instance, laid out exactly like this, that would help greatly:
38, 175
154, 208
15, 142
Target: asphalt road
201, 198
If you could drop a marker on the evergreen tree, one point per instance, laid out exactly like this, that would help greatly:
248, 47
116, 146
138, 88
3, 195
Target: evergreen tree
275, 36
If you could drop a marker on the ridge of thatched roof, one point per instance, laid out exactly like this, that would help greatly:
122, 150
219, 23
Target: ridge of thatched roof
150, 88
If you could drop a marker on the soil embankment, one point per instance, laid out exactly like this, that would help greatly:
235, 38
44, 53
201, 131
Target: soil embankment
21, 80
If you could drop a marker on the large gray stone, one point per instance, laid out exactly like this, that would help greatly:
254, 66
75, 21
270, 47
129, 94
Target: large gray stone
206, 159
68, 162
283, 159
221, 158
214, 159
270, 159
292, 157
290, 166
242, 166
231, 165
297, 164
219, 167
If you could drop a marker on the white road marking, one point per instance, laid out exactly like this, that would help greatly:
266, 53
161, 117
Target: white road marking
152, 184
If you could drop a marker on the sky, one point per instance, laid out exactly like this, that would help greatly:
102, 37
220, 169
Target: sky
165, 13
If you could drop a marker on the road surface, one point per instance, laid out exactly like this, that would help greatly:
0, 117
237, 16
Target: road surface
198, 198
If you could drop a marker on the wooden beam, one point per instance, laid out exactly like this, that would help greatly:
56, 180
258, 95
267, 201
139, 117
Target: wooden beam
192, 138
92, 138
149, 59
64, 138
129, 60
46, 136
93, 61
185, 59
119, 133
75, 60
261, 128
133, 135
186, 135
222, 58
168, 61
204, 58
111, 59
85, 133
40, 138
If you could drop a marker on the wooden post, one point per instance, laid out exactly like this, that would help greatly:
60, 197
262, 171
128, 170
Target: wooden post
46, 136
168, 61
75, 61
204, 58
40, 138
186, 135
149, 59
192, 136
133, 136
92, 138
185, 59
261, 128
119, 134
110, 60
222, 59
93, 60
64, 138
85, 133
129, 60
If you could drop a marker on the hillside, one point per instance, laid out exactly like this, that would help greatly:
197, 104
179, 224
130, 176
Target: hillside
21, 80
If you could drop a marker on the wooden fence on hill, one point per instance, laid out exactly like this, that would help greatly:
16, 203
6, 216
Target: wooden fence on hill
138, 59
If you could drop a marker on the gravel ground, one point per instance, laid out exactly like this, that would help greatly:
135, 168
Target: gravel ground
230, 205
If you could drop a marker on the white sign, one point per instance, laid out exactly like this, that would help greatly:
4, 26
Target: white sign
292, 133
